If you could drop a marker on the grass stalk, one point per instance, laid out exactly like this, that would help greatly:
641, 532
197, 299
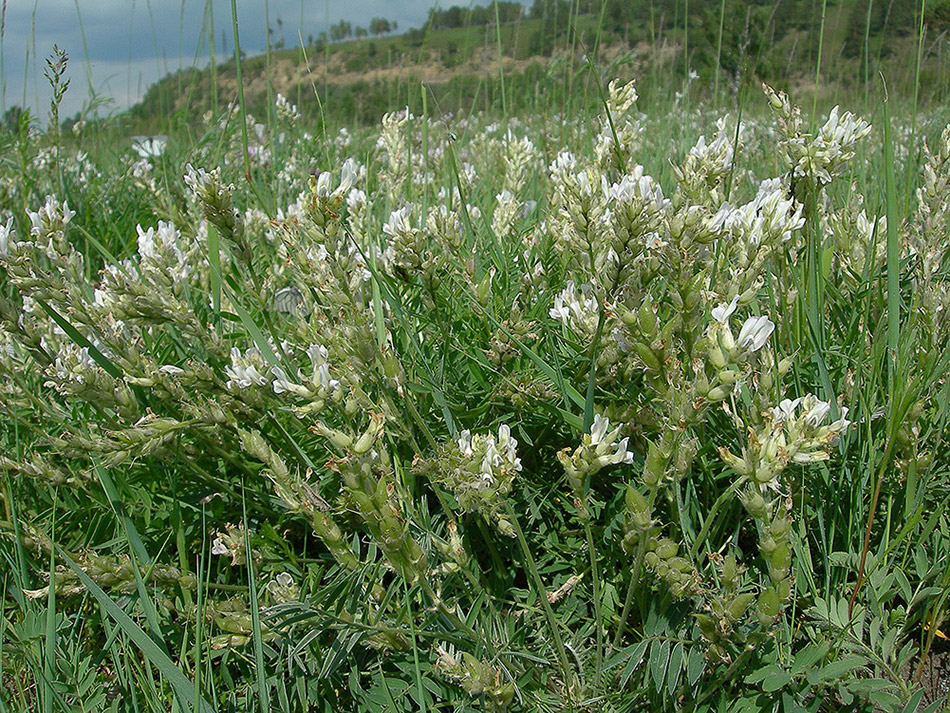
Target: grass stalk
718, 68
821, 44
260, 671
501, 66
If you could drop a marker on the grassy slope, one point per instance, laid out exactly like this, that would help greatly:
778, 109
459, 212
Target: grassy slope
363, 78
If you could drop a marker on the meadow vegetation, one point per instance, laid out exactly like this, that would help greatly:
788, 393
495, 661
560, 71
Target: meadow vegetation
600, 404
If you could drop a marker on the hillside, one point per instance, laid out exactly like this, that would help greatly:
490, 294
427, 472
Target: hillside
778, 42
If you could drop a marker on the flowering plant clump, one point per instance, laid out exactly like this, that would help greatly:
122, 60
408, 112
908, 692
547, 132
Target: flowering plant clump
506, 421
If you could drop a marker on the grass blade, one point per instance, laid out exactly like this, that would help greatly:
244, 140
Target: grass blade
180, 683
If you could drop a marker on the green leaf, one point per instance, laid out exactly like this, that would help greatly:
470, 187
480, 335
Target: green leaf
214, 260
675, 668
695, 664
101, 359
841, 667
776, 681
763, 673
635, 656
659, 660
809, 656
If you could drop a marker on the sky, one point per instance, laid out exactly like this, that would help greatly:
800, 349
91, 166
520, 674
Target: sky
120, 47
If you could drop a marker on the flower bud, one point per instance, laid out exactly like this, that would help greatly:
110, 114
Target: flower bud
337, 437
754, 504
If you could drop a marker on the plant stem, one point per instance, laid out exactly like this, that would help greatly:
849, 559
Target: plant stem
543, 597
595, 577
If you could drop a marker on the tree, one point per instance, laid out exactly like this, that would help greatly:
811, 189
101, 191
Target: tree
341, 31
360, 32
380, 26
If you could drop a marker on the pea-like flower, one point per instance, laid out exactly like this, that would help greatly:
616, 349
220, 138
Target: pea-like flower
755, 333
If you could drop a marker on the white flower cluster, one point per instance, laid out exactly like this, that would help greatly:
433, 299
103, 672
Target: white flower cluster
576, 309
753, 335
49, 218
824, 155
717, 156
74, 364
802, 421
768, 219
399, 223
599, 449
247, 369
197, 179
795, 432
349, 174
621, 99
635, 193
497, 459
317, 385
285, 110
159, 251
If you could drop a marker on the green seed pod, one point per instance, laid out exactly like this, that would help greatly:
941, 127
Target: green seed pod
666, 548
728, 377
739, 605
649, 359
764, 474
636, 504
647, 319
654, 468
363, 501
768, 607
730, 570
707, 625
781, 524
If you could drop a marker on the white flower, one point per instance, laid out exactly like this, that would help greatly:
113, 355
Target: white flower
355, 200
50, 217
282, 384
724, 311
5, 231
785, 411
323, 184
755, 333
636, 188
816, 410
598, 429
465, 442
575, 309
